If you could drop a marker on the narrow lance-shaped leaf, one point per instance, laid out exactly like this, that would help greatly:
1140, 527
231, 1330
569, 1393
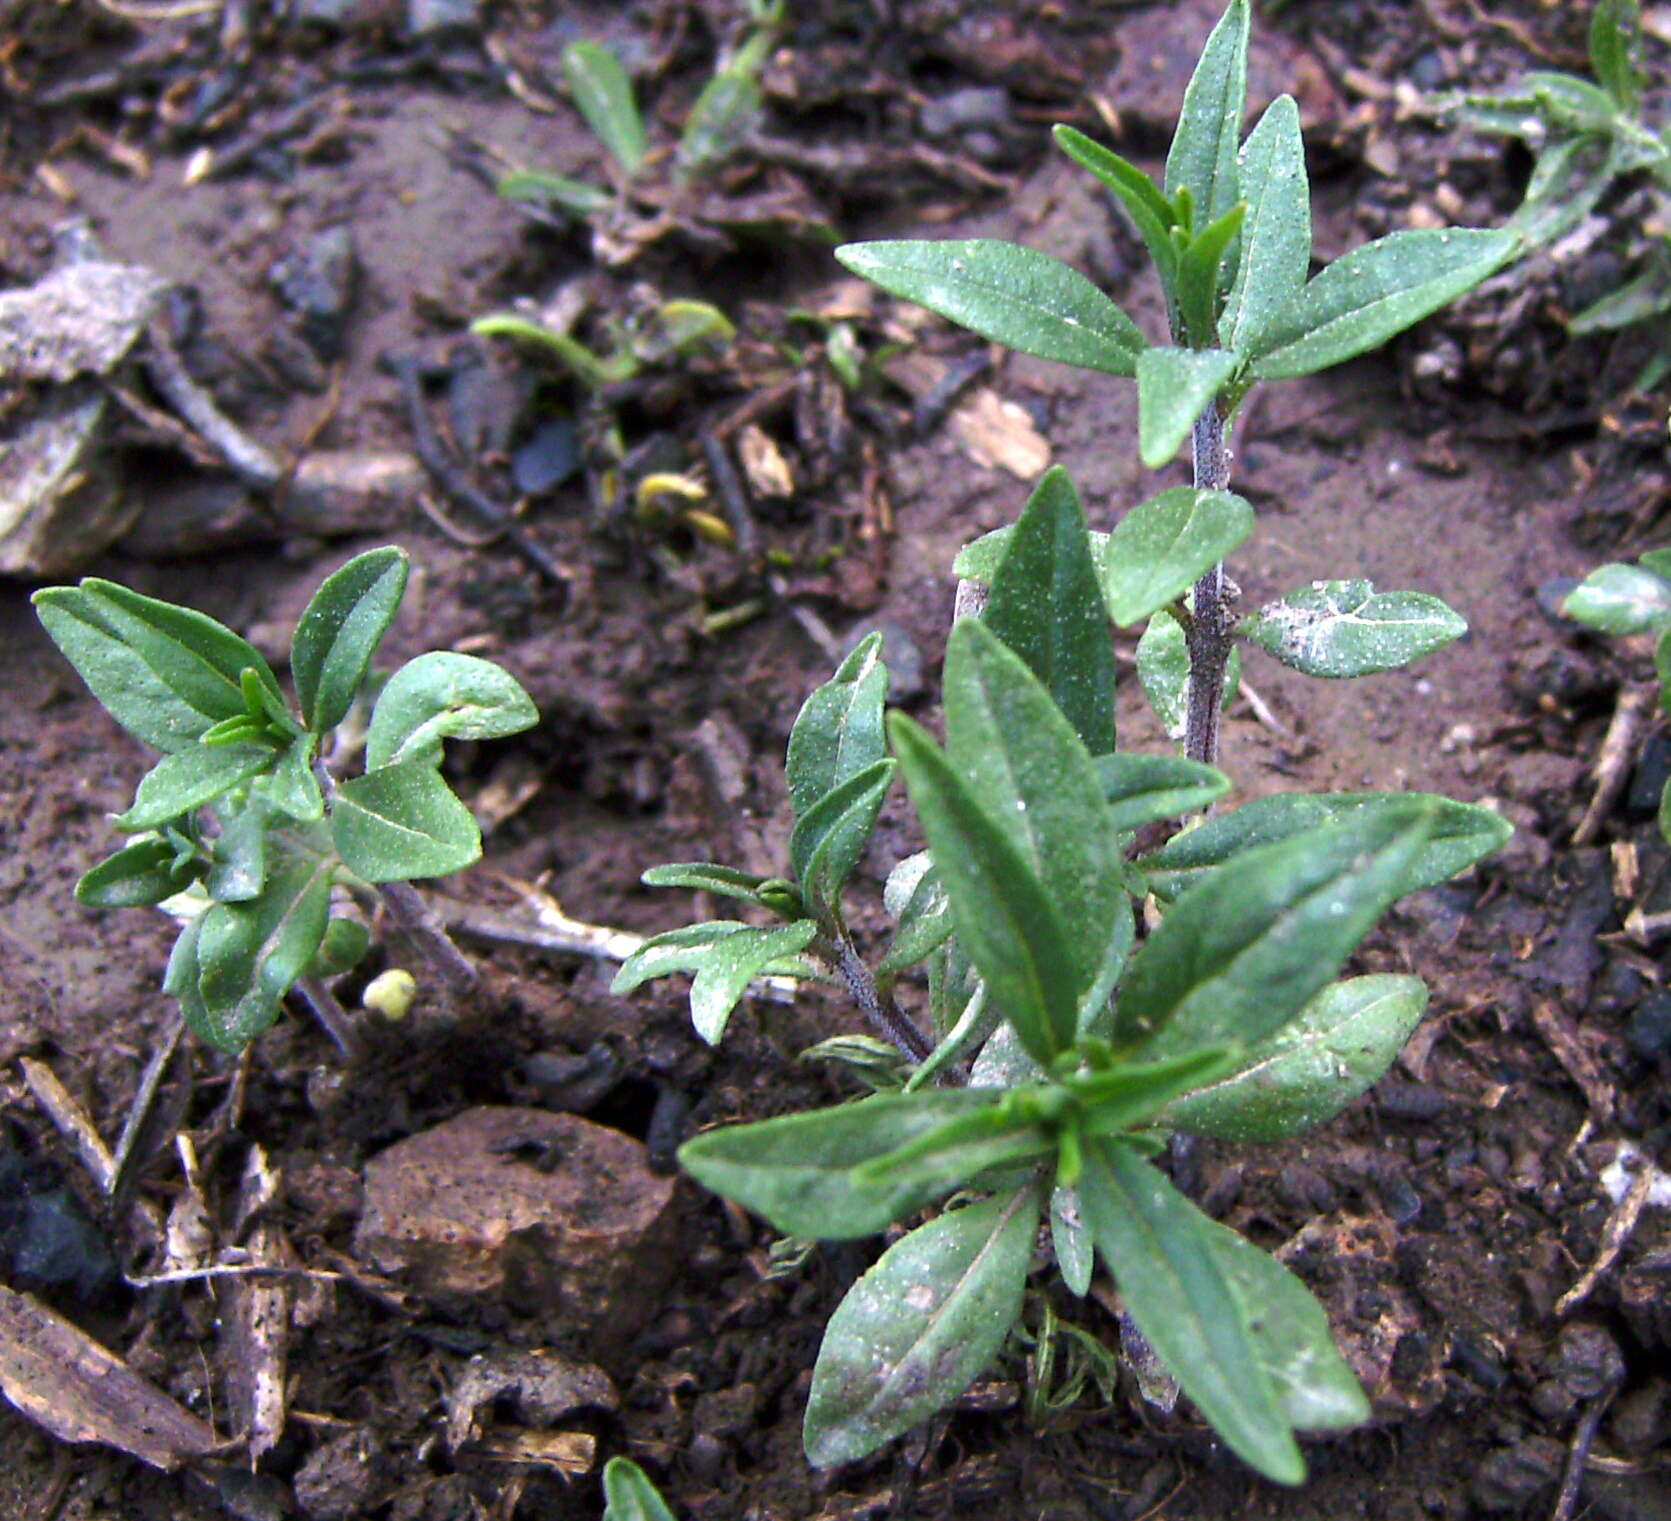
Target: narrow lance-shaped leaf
1174, 387
249, 954
960, 1149
1202, 277
1289, 1333
918, 903
165, 673
603, 95
798, 1170
920, 1326
1150, 212
1143, 789
1162, 546
725, 956
629, 1496
1152, 1239
1342, 629
1030, 774
1613, 26
1238, 957
1276, 235
838, 732
340, 630
136, 876
1373, 292
829, 839
1046, 606
1462, 834
1202, 159
1013, 295
443, 695
1312, 1068
1070, 1238
183, 782
705, 876
578, 198
400, 822
1005, 920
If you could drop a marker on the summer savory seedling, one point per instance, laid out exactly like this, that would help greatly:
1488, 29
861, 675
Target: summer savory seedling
1066, 1050
242, 825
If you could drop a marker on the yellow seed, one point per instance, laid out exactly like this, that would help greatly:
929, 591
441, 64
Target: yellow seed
390, 994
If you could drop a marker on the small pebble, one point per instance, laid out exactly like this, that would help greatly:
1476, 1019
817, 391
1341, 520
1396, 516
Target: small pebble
1512, 1476
1649, 1030
1588, 1360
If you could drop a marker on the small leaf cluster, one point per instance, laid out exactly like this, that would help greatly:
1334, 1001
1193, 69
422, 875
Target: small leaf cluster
1589, 136
1089, 1047
239, 824
721, 118
1622, 600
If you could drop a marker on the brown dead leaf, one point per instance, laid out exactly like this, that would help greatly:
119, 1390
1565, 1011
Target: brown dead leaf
1000, 435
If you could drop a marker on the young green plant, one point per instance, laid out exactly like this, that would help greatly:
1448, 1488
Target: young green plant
1065, 1051
240, 826
1591, 136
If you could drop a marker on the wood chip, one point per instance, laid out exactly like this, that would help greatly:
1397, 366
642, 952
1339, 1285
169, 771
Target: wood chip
71, 1120
1562, 1037
1000, 435
1620, 1225
258, 1327
65, 1382
1616, 756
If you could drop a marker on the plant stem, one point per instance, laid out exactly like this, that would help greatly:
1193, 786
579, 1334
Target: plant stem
424, 928
887, 1021
1207, 636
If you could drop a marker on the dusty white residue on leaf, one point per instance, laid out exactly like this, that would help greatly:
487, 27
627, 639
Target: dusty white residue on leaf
920, 1297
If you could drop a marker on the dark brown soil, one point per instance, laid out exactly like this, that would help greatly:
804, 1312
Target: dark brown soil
1441, 1219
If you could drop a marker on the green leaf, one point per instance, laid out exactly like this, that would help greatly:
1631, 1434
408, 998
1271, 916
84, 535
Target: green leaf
444, 696
1163, 546
1031, 776
1153, 1241
238, 858
838, 732
725, 956
1202, 160
136, 876
629, 1496
1662, 669
1143, 789
705, 876
1174, 387
1012, 295
920, 1326
1621, 599
1613, 26
592, 372
879, 1064
1150, 212
402, 821
1005, 920
1163, 672
1276, 236
1462, 834
1046, 606
720, 121
1203, 277
1290, 1334
831, 836
603, 95
180, 783
579, 198
1639, 300
797, 1170
1071, 1240
165, 673
1373, 292
959, 1150
248, 954
1341, 629
343, 947
1127, 1095
1306, 1073
340, 630
291, 786
1235, 959
179, 980
917, 900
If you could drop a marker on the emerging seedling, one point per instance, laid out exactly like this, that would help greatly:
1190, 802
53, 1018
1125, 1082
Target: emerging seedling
241, 826
1065, 1051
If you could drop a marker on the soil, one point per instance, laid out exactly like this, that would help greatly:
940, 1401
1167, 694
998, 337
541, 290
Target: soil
1483, 456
